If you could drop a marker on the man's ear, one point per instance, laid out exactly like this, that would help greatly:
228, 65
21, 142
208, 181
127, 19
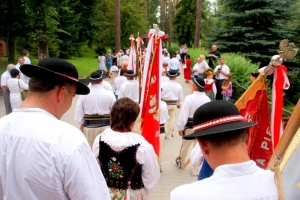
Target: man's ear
60, 93
248, 137
204, 146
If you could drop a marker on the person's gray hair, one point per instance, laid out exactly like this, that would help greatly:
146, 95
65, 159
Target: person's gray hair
10, 67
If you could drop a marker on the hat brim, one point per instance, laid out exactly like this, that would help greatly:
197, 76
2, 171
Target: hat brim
88, 79
40, 72
130, 75
200, 88
171, 75
232, 126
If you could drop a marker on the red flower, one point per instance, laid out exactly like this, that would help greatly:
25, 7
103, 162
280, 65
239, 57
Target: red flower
115, 168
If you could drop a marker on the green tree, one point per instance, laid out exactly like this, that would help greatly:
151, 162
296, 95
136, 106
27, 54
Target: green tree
133, 20
185, 20
87, 23
67, 36
41, 24
253, 28
12, 17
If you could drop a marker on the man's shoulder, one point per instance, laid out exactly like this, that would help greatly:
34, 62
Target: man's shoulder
187, 191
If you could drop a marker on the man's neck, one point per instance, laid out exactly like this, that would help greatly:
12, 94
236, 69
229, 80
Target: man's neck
228, 155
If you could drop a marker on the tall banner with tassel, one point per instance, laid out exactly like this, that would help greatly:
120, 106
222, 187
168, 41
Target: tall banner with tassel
132, 55
280, 82
151, 90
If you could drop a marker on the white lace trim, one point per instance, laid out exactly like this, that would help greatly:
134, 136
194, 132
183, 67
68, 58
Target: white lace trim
118, 141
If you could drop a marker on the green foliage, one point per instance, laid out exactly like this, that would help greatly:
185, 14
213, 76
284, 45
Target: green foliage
240, 69
253, 28
185, 18
133, 20
293, 93
195, 53
185, 22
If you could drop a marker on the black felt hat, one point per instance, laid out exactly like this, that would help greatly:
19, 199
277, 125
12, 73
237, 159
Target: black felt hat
103, 73
53, 69
172, 73
199, 82
217, 117
95, 76
129, 73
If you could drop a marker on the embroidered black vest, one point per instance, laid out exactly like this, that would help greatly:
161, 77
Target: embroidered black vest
120, 168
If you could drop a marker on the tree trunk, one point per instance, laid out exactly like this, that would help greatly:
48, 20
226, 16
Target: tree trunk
11, 38
198, 23
117, 25
43, 50
175, 4
11, 50
162, 15
42, 43
170, 11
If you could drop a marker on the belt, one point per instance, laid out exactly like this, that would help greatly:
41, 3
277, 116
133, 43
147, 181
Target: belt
96, 121
189, 123
162, 128
170, 102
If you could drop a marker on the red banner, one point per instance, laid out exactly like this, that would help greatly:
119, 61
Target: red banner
253, 106
150, 98
280, 82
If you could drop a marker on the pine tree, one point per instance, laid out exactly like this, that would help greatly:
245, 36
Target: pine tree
253, 28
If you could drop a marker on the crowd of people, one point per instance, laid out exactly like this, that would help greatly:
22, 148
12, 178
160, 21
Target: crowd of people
107, 157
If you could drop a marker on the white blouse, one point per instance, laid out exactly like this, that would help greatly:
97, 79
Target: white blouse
145, 153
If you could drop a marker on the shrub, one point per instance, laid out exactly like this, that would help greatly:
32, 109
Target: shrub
240, 69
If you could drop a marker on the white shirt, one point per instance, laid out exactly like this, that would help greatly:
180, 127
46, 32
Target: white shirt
26, 60
124, 58
4, 78
15, 91
231, 182
172, 91
117, 83
224, 68
196, 156
178, 57
22, 76
166, 59
145, 153
164, 115
130, 89
98, 101
42, 157
174, 64
105, 84
191, 103
202, 66
164, 79
183, 50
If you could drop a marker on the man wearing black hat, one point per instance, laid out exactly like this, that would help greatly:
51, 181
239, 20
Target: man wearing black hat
130, 88
222, 135
42, 157
185, 120
93, 110
172, 94
105, 83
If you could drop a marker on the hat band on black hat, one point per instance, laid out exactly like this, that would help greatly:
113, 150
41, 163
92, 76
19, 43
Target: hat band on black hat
198, 83
96, 79
67, 76
218, 121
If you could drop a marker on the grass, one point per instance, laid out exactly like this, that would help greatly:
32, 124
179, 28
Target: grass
85, 65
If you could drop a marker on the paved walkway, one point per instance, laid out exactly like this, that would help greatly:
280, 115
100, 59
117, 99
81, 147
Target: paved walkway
171, 176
